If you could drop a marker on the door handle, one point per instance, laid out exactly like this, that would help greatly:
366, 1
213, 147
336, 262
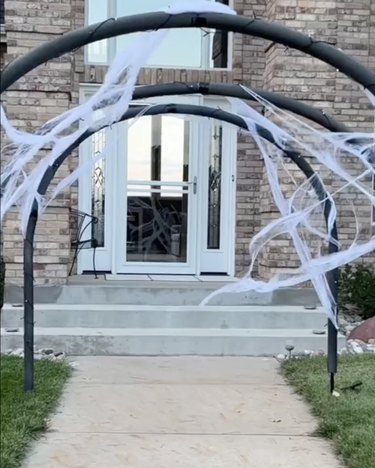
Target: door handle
195, 183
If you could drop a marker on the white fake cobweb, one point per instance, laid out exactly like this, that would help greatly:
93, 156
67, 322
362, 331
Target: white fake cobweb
302, 222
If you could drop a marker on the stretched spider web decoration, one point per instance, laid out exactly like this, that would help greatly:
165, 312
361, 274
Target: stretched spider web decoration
29, 155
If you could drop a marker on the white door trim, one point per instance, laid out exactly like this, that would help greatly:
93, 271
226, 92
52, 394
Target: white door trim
108, 258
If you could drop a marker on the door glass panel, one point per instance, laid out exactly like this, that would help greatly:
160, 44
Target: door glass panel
214, 188
98, 142
158, 149
174, 149
157, 190
157, 226
139, 149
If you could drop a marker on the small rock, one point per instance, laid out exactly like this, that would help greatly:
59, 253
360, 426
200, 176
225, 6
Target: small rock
308, 352
50, 357
365, 331
319, 332
281, 357
60, 356
18, 352
361, 343
354, 347
46, 351
371, 341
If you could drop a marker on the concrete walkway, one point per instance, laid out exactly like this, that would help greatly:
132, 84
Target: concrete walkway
185, 412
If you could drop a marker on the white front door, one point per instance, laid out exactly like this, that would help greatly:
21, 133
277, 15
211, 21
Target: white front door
157, 196
164, 196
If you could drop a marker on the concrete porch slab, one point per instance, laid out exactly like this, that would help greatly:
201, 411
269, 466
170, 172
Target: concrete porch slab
127, 277
217, 279
174, 278
88, 290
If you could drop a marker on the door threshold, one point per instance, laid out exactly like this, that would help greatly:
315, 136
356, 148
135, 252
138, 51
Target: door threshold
170, 278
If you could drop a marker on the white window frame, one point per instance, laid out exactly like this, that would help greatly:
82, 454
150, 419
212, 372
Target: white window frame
206, 39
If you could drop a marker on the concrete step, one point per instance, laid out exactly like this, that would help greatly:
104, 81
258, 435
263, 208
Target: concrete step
131, 316
169, 341
157, 293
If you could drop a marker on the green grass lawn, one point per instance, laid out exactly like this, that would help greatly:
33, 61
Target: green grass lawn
24, 415
349, 420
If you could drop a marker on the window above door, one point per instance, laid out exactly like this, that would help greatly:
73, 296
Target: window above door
182, 48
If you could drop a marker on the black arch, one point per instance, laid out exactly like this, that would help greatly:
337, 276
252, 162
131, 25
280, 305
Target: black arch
159, 20
237, 91
156, 110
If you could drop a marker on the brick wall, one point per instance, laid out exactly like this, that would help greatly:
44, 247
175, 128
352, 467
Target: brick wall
37, 97
52, 88
350, 26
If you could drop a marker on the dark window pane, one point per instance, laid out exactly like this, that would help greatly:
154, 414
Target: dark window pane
214, 188
98, 188
2, 12
157, 227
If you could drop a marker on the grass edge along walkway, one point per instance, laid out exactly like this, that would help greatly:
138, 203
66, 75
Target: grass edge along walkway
349, 419
24, 416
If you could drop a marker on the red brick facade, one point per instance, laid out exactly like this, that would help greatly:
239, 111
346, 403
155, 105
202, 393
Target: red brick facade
54, 87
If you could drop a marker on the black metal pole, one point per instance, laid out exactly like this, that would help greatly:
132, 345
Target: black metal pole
28, 265
332, 276
333, 283
332, 345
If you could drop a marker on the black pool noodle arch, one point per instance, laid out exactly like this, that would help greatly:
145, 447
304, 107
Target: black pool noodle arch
238, 91
201, 111
161, 20
257, 27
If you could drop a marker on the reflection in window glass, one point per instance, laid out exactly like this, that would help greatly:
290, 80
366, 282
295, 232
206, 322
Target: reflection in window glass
158, 149
182, 48
97, 12
157, 227
139, 149
174, 151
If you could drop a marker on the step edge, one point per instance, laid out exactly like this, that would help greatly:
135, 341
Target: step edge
164, 308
